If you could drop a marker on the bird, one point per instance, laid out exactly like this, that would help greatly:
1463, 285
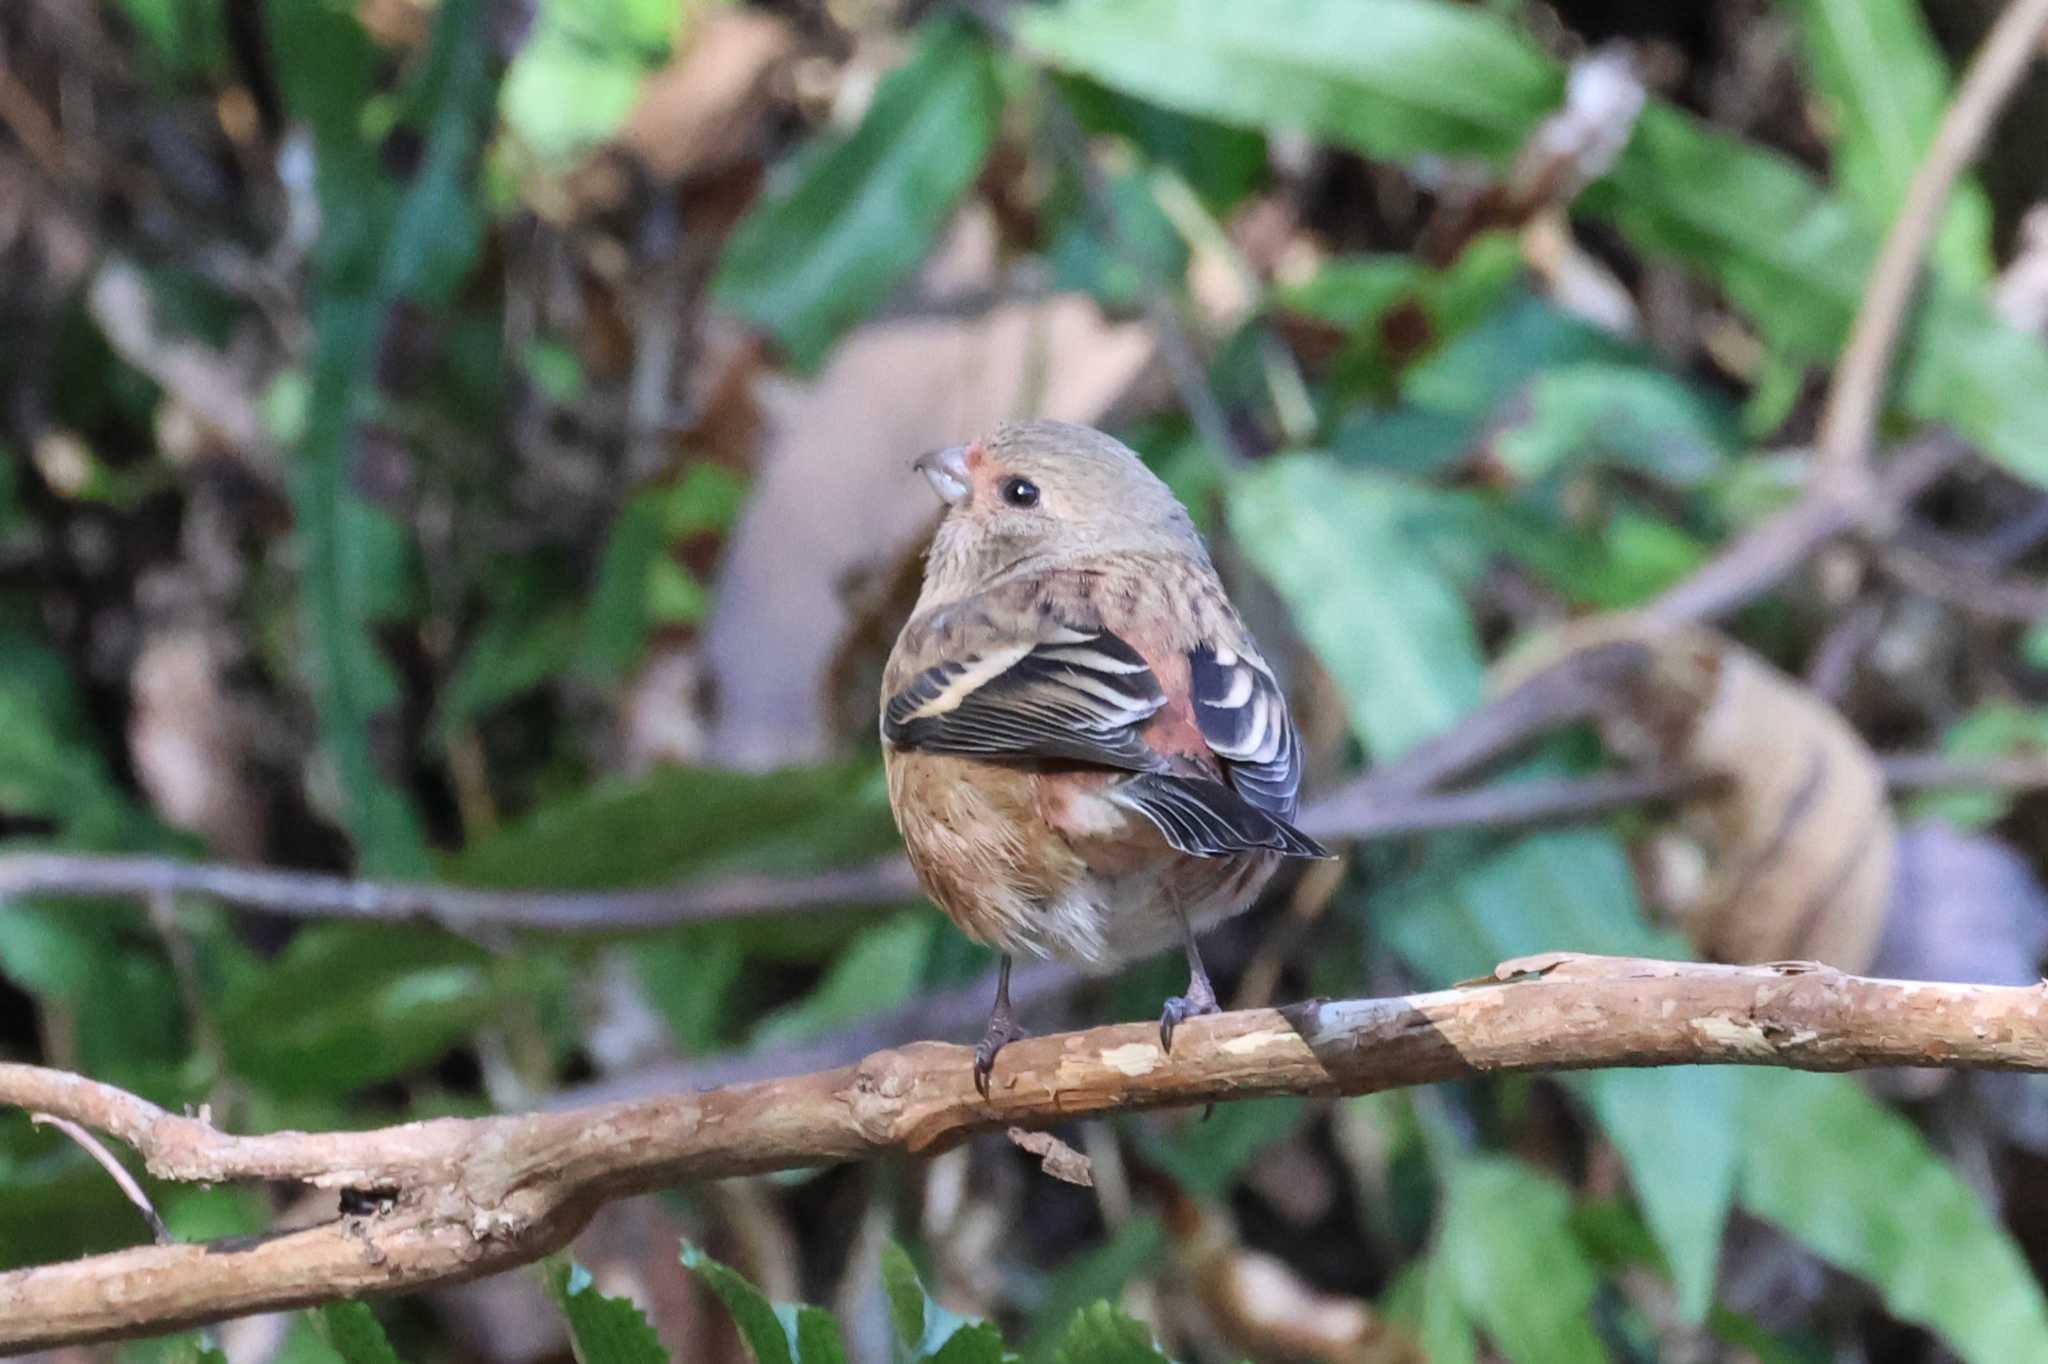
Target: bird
1087, 756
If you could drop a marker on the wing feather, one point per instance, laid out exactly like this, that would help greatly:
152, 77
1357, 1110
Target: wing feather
1243, 715
1078, 695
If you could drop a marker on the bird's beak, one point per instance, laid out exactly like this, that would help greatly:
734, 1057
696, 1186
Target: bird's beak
946, 470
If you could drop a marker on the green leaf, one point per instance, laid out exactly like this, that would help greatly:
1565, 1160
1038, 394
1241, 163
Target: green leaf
1506, 1239
815, 258
603, 1330
1883, 83
578, 73
378, 246
1394, 77
347, 1005
927, 1331
1674, 1130
1994, 729
1351, 555
624, 605
1099, 1334
1857, 1183
1796, 260
510, 656
352, 1330
1101, 1273
1208, 1157
775, 1333
1575, 891
1223, 164
682, 821
1510, 345
51, 767
688, 975
1624, 415
1398, 78
1424, 1298
881, 968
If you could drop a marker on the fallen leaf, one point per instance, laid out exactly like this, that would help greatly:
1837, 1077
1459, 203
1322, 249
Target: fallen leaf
1262, 1308
1801, 841
1058, 1159
835, 499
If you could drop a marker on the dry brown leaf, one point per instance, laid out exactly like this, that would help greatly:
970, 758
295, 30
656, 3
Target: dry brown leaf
1058, 1159
691, 117
1263, 1309
835, 499
190, 743
1801, 841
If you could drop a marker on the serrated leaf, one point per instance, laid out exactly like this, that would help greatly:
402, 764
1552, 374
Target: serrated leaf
1882, 1205
1099, 1334
351, 1328
811, 260
1351, 554
1506, 1240
774, 1333
602, 1330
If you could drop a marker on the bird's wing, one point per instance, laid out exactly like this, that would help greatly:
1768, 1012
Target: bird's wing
1205, 818
1243, 715
1066, 693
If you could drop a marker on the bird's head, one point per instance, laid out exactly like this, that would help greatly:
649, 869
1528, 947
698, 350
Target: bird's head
1045, 493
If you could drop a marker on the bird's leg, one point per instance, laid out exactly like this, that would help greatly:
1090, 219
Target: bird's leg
1003, 1028
1201, 995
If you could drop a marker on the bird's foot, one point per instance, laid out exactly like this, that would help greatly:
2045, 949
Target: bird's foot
1002, 1030
1200, 999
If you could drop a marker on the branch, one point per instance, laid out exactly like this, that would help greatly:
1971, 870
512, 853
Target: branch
1389, 802
301, 893
457, 1198
1849, 416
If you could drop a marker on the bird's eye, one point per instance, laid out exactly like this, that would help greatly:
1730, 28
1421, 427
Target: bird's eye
1020, 492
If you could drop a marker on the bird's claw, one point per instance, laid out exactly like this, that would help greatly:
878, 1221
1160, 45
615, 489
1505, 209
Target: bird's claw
1001, 1032
1180, 1009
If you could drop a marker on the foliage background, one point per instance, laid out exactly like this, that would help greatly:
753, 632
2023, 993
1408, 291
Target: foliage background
467, 439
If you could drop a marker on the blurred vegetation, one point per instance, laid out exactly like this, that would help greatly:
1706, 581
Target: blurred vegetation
466, 439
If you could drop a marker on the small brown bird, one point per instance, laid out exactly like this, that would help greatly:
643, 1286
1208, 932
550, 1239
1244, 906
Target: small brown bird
1087, 757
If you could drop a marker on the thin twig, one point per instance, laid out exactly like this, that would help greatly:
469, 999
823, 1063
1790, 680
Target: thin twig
458, 1198
1849, 416
1162, 309
312, 894
1393, 801
1502, 807
1934, 771
1768, 553
116, 1171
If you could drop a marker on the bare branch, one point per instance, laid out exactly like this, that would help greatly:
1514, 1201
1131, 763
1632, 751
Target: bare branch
458, 1198
456, 907
116, 1171
1849, 416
